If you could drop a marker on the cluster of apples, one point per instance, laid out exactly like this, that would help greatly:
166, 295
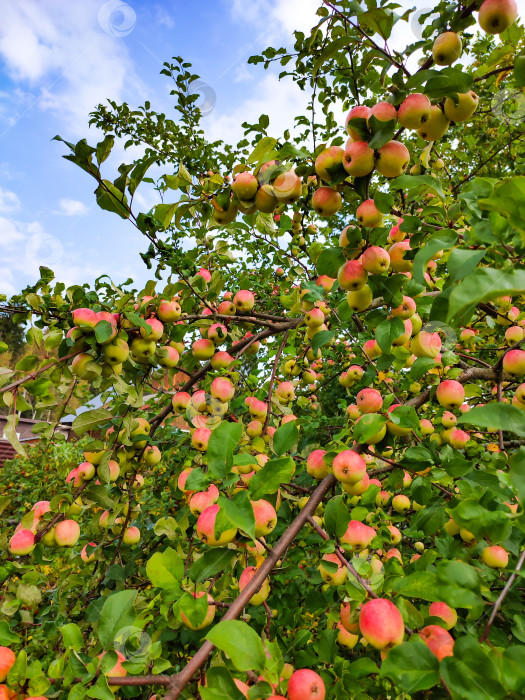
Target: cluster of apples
269, 187
7, 661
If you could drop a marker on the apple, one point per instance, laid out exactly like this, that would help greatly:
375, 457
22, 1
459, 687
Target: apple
83, 366
329, 164
496, 557
349, 618
514, 363
200, 438
376, 260
265, 199
245, 186
169, 311
392, 159
381, 623
346, 638
349, 467
116, 352
262, 592
358, 536
167, 357
414, 111
305, 684
465, 107
7, 661
438, 640
334, 578
371, 349
352, 275
221, 360
22, 542
326, 201
222, 216
382, 498
142, 350
244, 301
222, 389
445, 612
401, 503
86, 471
395, 534
458, 439
131, 535
383, 112
436, 126
287, 187
316, 465
406, 309
495, 16
369, 401
203, 349
447, 49
358, 159
156, 332
450, 393
88, 555
394, 428
368, 214
117, 671
426, 344
258, 408
67, 533
360, 112
314, 318
285, 392
265, 517
360, 300
206, 528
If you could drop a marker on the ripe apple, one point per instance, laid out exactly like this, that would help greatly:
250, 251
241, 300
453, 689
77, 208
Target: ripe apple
88, 555
438, 640
200, 438
285, 392
316, 465
265, 199
206, 528
117, 671
157, 329
169, 311
445, 612
436, 126
450, 393
349, 467
514, 363
358, 159
383, 112
358, 536
495, 16
222, 389
392, 159
401, 503
305, 684
67, 533
376, 260
465, 107
496, 557
329, 164
447, 49
381, 623
83, 366
287, 187
265, 517
369, 401
203, 349
131, 535
315, 317
334, 578
368, 214
244, 301
426, 344
326, 201
359, 112
414, 111
7, 661
263, 591
406, 309
245, 186
352, 275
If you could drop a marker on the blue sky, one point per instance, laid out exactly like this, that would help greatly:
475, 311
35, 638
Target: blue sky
59, 59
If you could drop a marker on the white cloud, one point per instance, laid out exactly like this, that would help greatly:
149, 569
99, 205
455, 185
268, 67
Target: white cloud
277, 17
9, 202
280, 100
71, 207
63, 61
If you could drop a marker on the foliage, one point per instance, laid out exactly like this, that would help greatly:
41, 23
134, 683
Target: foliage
362, 442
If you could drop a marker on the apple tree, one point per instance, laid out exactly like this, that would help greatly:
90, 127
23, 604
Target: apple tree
306, 479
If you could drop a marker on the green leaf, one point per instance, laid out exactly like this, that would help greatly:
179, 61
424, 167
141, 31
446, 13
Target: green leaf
415, 185
517, 473
103, 331
10, 434
72, 636
421, 367
461, 262
195, 609
220, 685
368, 425
211, 562
443, 240
110, 198
383, 201
165, 569
387, 331
269, 479
471, 674
481, 285
89, 420
412, 666
421, 584
321, 338
508, 199
18, 672
236, 512
6, 636
470, 514
117, 612
241, 643
104, 148
285, 438
519, 71
500, 416
261, 151
329, 261
223, 440
165, 213
336, 516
